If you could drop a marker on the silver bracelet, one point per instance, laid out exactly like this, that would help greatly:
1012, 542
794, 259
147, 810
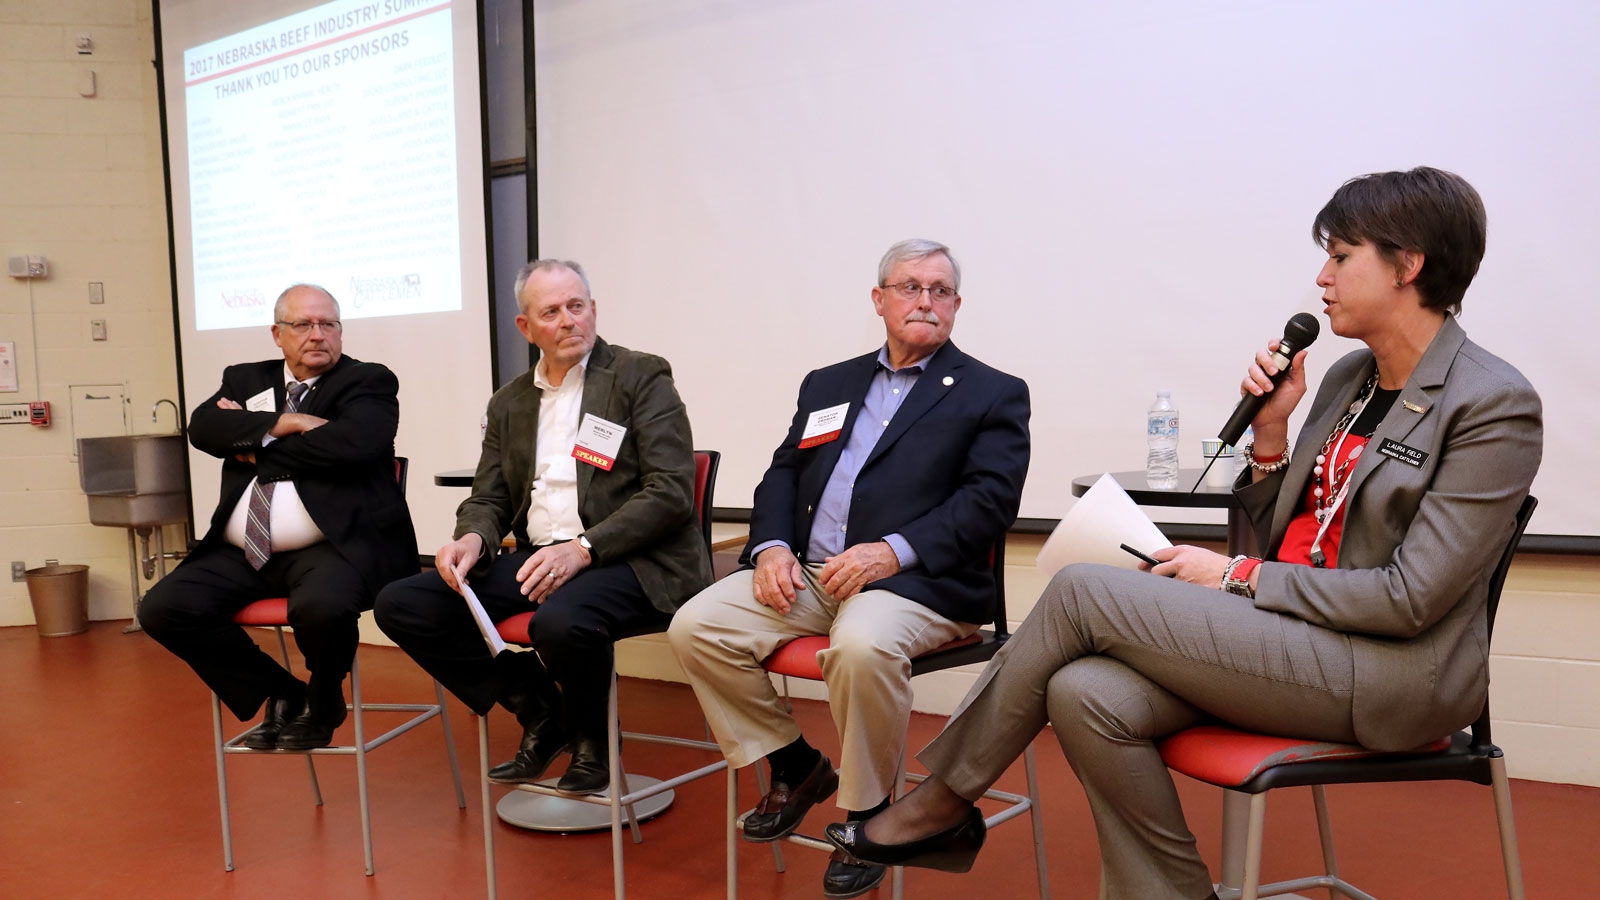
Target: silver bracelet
1227, 571
1281, 462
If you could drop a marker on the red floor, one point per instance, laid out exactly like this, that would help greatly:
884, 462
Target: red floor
108, 790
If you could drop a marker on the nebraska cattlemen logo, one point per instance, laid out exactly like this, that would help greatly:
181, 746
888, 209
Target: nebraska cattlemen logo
385, 288
243, 299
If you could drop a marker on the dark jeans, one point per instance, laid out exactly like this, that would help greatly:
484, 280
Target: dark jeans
190, 612
572, 631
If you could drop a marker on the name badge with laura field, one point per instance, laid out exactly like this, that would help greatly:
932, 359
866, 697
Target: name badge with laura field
823, 426
1411, 456
598, 441
262, 402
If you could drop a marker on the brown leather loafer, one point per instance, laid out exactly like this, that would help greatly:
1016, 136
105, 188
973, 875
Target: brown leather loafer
780, 811
848, 877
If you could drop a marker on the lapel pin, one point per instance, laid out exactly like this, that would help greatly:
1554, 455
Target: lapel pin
948, 381
1413, 407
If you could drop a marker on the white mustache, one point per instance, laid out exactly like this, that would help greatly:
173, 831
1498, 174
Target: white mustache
931, 317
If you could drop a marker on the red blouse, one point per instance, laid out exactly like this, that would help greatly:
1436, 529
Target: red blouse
1302, 531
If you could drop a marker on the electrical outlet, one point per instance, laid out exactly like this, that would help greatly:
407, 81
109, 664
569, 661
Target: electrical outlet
19, 570
14, 414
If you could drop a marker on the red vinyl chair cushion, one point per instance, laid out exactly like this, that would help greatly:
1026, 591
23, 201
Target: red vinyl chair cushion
270, 612
1228, 757
517, 630
798, 658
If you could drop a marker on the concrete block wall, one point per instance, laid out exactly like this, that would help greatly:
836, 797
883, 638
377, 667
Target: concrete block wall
80, 184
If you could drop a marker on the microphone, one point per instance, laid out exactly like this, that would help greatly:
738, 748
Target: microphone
1299, 333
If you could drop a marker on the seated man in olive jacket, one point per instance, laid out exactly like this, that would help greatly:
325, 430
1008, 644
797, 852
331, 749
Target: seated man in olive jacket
587, 460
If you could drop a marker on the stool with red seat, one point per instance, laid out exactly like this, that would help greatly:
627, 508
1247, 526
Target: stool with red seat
638, 796
274, 613
798, 659
1252, 764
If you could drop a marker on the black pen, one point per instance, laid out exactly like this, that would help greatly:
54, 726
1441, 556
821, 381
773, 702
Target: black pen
1143, 556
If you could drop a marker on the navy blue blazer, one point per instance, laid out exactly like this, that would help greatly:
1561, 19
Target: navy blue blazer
946, 475
343, 471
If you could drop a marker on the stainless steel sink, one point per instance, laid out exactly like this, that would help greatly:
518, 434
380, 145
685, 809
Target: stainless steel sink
134, 481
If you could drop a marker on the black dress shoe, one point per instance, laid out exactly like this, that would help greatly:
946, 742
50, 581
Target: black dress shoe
780, 811
314, 727
849, 877
542, 742
951, 850
590, 769
278, 713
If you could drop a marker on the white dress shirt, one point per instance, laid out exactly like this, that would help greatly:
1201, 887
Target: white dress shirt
291, 525
553, 501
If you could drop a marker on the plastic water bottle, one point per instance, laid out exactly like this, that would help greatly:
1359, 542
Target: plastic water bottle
1161, 465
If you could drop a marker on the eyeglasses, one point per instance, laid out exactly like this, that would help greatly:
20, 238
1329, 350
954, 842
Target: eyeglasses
910, 290
303, 328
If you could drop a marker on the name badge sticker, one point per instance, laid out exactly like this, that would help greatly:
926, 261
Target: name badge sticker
823, 426
598, 442
1411, 456
262, 402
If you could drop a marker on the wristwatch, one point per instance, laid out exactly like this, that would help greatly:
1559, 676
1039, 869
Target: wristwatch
1236, 577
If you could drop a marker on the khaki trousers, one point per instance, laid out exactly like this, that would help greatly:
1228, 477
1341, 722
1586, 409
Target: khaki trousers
722, 636
1115, 660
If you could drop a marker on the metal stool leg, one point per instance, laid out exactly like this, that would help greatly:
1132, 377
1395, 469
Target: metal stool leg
1253, 840
361, 762
1330, 861
488, 805
1036, 819
618, 786
450, 745
897, 874
311, 767
732, 837
222, 784
777, 846
1508, 827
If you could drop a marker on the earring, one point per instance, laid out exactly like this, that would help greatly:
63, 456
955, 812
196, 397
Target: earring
1399, 282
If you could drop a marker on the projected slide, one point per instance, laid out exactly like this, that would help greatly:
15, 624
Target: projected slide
322, 148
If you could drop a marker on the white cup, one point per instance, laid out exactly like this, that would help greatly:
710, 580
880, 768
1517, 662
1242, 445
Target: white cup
1221, 474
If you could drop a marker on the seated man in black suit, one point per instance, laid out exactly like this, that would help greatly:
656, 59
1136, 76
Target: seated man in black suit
873, 526
309, 510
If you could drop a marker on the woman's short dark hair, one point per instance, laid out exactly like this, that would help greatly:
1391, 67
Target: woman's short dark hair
1426, 210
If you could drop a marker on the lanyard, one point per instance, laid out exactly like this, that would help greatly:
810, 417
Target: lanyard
1318, 558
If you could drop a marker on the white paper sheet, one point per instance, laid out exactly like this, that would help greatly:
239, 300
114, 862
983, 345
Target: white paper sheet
491, 635
1094, 529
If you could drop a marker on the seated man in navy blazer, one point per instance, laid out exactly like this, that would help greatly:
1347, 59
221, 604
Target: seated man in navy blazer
873, 526
309, 510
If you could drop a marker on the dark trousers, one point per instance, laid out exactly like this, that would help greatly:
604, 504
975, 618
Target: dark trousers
572, 631
190, 612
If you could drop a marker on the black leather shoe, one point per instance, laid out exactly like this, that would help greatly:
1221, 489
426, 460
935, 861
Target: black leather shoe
951, 850
314, 727
780, 811
590, 770
542, 742
278, 713
848, 877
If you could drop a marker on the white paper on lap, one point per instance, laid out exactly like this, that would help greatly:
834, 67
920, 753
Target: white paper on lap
1094, 529
491, 635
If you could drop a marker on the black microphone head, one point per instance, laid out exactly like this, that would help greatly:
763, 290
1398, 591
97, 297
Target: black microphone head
1301, 331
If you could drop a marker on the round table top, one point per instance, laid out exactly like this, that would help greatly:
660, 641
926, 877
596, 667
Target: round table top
1140, 491
454, 478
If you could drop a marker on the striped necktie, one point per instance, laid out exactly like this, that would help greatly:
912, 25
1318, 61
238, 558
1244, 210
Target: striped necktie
258, 518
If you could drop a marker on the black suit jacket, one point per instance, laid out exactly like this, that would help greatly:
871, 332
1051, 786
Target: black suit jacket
343, 471
946, 475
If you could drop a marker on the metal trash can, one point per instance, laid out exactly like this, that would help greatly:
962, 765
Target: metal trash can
60, 598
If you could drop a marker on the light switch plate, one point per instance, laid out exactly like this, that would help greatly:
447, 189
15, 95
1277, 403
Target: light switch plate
97, 292
19, 570
97, 329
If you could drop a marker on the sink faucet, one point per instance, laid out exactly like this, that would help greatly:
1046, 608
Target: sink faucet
155, 412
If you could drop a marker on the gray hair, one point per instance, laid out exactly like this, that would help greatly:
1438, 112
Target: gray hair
279, 310
540, 265
915, 249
